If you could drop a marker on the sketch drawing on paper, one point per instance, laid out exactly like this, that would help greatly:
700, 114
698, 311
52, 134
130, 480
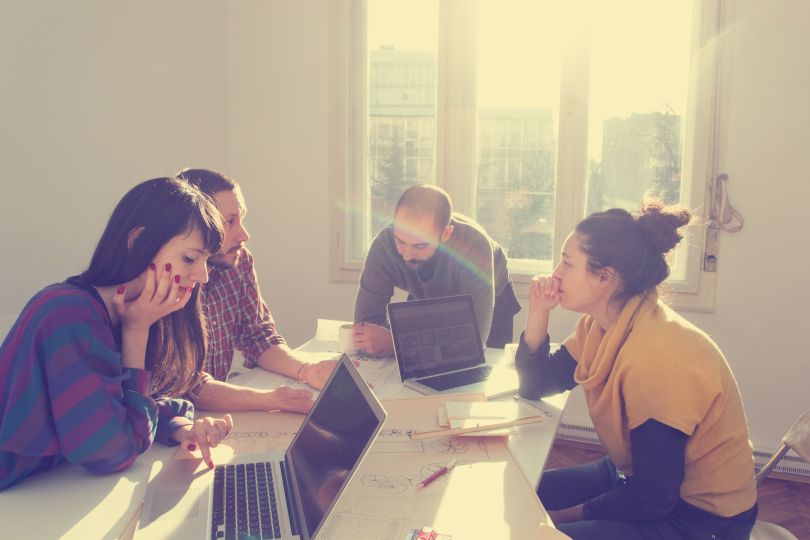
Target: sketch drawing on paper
247, 434
450, 446
395, 433
394, 485
251, 442
390, 485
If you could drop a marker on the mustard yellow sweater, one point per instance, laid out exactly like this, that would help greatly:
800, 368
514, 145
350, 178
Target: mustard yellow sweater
653, 364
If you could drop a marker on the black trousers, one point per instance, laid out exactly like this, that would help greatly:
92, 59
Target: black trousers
563, 488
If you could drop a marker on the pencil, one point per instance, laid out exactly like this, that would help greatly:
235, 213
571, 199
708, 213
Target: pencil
438, 473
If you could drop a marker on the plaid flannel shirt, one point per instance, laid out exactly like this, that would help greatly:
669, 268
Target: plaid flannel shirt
237, 317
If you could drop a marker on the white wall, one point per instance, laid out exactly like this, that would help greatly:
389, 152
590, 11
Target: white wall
761, 320
279, 148
95, 96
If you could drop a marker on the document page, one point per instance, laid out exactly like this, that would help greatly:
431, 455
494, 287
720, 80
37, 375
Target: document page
484, 496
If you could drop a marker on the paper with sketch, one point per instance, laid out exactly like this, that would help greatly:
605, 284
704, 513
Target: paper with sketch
419, 413
484, 496
252, 432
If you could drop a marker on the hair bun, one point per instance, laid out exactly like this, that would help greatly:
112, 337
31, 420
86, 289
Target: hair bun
660, 223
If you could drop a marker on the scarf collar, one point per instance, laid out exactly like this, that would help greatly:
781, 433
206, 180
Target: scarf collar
597, 348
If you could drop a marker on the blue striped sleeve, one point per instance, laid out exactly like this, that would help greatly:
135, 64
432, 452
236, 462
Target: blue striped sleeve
173, 414
101, 416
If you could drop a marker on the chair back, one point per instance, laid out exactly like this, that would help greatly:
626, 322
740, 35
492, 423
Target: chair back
798, 436
797, 439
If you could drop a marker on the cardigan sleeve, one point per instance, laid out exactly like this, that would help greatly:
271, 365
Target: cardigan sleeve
544, 373
376, 281
172, 415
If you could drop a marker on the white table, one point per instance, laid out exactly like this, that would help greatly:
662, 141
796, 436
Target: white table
68, 502
530, 446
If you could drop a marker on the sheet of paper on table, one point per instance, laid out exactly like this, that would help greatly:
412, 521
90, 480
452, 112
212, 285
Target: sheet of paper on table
252, 432
484, 496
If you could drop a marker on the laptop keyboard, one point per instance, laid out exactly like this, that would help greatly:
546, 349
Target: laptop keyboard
458, 378
244, 502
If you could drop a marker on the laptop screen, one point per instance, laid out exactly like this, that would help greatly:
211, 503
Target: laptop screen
331, 442
435, 335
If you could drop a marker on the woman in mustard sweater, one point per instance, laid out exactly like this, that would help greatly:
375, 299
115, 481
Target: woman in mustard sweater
659, 391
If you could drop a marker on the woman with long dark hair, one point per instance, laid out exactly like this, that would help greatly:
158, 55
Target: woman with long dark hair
660, 393
90, 371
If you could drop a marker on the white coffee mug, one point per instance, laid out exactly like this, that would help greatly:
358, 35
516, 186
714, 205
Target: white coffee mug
345, 339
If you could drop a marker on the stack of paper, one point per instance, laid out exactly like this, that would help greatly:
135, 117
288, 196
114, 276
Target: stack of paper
483, 418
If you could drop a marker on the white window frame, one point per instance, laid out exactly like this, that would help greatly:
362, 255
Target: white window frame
456, 138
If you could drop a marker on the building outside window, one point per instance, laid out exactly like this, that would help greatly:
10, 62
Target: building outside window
531, 113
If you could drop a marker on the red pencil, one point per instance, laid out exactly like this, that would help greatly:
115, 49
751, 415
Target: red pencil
438, 473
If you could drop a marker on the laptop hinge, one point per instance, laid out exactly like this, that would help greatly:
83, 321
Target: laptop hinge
295, 524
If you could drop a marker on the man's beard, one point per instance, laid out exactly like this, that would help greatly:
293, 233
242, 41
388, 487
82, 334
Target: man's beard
417, 264
222, 260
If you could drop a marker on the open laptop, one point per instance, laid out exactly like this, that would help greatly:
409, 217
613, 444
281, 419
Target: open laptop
300, 487
438, 348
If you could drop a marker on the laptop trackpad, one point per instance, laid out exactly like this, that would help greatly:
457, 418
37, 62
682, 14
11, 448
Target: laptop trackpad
175, 505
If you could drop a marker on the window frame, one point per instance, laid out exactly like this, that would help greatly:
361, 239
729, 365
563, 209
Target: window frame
456, 138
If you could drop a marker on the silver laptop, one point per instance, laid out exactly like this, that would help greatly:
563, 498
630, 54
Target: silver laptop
439, 349
285, 496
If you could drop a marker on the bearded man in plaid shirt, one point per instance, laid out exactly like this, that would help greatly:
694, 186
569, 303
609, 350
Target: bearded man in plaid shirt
238, 318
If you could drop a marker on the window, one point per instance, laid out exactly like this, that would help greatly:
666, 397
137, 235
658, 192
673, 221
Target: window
530, 113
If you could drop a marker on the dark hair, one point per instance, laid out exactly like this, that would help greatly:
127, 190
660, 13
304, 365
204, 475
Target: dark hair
634, 246
162, 208
427, 199
207, 181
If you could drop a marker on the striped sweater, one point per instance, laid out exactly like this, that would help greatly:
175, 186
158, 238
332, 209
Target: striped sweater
64, 395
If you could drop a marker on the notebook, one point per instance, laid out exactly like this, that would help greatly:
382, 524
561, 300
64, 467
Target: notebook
300, 487
438, 348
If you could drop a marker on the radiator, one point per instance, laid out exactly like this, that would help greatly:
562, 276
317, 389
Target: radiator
790, 464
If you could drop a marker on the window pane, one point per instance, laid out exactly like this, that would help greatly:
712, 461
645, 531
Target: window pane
638, 97
402, 41
519, 51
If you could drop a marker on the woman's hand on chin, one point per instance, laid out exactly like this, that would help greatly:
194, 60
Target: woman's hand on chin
160, 297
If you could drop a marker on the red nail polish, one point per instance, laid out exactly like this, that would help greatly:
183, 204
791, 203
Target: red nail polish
151, 266
192, 447
168, 267
210, 464
177, 279
121, 289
